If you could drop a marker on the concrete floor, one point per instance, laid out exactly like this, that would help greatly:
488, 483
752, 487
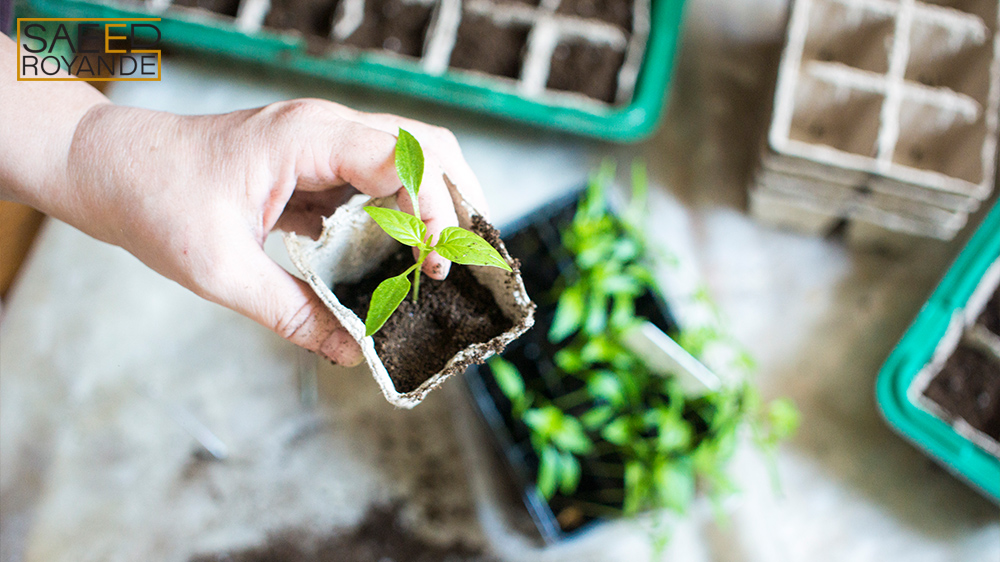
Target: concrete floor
100, 358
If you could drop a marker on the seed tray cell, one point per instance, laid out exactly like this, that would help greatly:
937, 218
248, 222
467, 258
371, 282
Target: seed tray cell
851, 34
594, 67
961, 383
946, 416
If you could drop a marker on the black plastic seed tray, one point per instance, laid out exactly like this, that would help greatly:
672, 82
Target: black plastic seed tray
535, 240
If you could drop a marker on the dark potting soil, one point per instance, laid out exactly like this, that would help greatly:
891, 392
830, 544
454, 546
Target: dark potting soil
314, 18
487, 47
617, 12
589, 69
969, 387
224, 7
380, 536
990, 318
393, 26
419, 338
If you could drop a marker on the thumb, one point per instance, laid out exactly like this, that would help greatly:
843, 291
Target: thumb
261, 290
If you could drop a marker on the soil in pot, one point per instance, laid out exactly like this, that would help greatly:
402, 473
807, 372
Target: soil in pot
487, 47
578, 66
393, 26
224, 7
420, 337
616, 12
968, 387
314, 18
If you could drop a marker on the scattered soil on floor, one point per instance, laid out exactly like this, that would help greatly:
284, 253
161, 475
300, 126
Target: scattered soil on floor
419, 338
969, 387
379, 537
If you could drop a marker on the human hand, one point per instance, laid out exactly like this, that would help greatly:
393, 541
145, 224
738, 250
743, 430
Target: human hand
194, 197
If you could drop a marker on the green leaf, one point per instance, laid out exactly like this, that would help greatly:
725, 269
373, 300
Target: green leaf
409, 164
508, 378
570, 435
597, 313
783, 417
618, 432
404, 227
636, 486
467, 248
548, 468
596, 416
606, 386
569, 314
544, 421
569, 360
674, 483
569, 473
385, 301
674, 434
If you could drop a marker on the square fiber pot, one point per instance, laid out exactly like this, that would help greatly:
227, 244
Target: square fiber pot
905, 410
535, 241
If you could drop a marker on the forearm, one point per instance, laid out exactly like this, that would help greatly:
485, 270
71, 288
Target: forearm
38, 121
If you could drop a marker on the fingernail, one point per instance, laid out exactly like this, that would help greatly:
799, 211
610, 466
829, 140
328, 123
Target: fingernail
341, 348
438, 270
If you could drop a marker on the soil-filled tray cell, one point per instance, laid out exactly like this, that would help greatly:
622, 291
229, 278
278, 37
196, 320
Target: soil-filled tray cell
836, 116
990, 317
314, 18
616, 12
483, 45
968, 387
849, 34
944, 143
394, 26
985, 10
944, 57
587, 68
223, 7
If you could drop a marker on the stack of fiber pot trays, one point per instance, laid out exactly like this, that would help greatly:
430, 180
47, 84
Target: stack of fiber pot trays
885, 117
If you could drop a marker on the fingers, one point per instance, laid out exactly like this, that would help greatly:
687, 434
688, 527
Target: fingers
439, 142
253, 285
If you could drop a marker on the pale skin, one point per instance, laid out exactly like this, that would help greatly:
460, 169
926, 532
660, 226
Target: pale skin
194, 197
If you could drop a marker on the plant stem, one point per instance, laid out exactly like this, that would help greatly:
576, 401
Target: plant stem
416, 275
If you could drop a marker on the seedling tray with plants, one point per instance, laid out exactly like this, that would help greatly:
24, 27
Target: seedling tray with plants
940, 387
587, 429
596, 68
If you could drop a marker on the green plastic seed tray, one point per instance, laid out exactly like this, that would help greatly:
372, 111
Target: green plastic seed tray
933, 435
212, 33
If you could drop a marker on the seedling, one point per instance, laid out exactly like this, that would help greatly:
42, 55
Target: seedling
603, 409
456, 244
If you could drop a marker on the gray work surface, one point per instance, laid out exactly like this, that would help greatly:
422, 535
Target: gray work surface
98, 354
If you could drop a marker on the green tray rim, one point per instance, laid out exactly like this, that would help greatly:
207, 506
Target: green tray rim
216, 35
929, 433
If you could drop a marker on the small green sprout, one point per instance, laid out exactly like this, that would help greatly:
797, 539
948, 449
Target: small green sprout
455, 244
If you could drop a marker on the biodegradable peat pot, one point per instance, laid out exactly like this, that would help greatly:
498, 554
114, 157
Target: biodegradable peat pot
537, 243
458, 322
